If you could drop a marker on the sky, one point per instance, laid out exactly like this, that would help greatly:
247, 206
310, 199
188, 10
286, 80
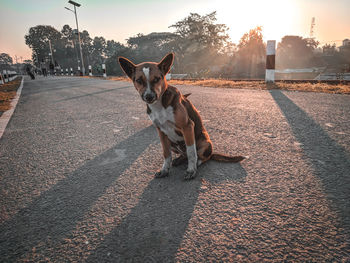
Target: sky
119, 20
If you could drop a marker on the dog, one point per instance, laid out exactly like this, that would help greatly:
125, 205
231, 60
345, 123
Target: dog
177, 121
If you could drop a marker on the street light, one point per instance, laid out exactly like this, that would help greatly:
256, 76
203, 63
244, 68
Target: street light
76, 20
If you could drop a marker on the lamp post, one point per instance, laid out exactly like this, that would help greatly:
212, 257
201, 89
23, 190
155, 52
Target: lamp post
76, 20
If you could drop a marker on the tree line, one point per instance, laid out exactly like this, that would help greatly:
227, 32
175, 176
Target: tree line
202, 48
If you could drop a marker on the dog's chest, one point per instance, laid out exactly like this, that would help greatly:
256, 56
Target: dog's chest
163, 118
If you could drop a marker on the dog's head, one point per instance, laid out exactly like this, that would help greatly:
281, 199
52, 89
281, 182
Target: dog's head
148, 77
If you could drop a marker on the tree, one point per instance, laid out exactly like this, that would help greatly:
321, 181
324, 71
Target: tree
295, 52
202, 30
200, 42
86, 45
68, 55
251, 54
334, 60
97, 54
112, 48
151, 47
112, 65
344, 52
5, 59
72, 47
38, 40
329, 49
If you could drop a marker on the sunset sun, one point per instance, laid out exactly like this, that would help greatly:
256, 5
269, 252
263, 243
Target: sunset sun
277, 18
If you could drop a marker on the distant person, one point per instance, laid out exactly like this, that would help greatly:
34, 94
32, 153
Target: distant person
52, 68
29, 71
43, 68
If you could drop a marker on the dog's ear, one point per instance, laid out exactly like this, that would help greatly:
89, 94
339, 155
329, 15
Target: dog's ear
127, 66
166, 63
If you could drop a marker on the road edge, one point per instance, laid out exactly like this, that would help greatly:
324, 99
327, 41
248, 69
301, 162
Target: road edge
6, 116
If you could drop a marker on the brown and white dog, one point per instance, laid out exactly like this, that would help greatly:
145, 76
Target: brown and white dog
178, 123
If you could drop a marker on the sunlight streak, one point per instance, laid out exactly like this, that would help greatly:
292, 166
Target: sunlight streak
106, 213
276, 17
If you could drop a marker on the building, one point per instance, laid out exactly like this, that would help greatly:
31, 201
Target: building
346, 45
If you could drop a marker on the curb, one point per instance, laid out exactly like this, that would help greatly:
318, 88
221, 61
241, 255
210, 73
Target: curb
6, 116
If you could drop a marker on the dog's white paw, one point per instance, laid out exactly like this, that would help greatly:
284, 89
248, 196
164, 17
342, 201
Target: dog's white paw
190, 174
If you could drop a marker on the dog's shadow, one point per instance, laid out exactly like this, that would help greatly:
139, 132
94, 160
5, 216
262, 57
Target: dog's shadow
155, 227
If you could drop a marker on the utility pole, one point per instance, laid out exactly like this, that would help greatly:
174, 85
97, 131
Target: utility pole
76, 21
52, 60
312, 28
17, 64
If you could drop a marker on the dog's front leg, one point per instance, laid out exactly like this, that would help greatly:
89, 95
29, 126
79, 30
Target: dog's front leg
191, 151
166, 153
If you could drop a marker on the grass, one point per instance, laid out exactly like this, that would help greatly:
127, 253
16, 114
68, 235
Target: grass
261, 85
339, 88
7, 93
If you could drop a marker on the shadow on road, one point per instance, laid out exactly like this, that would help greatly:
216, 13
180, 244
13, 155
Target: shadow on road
329, 160
55, 213
36, 86
155, 227
93, 93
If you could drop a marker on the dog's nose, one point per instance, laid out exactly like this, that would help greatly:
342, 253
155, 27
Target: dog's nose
149, 97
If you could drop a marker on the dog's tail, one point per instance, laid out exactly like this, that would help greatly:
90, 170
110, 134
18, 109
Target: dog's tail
225, 158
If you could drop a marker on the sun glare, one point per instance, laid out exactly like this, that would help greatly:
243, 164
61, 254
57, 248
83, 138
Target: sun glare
278, 18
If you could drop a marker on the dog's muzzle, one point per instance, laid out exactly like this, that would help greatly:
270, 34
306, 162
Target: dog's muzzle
149, 97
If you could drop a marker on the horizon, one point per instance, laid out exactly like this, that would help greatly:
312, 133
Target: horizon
277, 18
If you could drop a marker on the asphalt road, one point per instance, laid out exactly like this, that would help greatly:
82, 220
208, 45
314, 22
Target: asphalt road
78, 157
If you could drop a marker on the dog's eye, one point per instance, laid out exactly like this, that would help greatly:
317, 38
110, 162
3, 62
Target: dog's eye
139, 81
155, 80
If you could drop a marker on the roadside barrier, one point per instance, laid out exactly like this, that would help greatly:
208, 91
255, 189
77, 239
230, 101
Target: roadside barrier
104, 70
90, 70
7, 75
270, 61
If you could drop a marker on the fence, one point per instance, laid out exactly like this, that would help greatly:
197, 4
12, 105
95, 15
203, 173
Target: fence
271, 74
7, 75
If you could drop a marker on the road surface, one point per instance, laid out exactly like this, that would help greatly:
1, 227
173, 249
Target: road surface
78, 157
